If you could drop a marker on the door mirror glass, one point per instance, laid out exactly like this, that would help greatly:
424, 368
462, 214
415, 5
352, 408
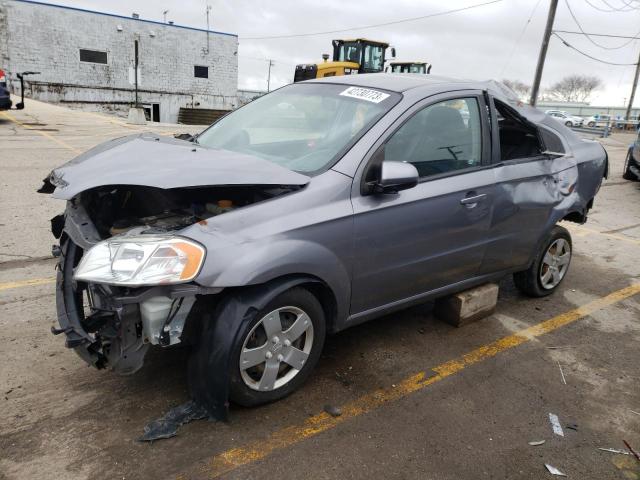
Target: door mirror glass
396, 176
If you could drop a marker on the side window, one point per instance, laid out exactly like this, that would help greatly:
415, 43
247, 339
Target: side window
551, 141
518, 139
441, 138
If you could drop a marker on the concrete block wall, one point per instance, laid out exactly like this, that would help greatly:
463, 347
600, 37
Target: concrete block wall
48, 39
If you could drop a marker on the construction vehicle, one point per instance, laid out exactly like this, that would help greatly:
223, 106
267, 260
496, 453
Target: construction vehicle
349, 57
409, 67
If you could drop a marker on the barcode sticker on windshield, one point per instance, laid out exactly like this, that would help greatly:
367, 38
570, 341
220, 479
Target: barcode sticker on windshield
365, 94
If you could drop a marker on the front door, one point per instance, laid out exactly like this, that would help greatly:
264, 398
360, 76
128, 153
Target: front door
432, 235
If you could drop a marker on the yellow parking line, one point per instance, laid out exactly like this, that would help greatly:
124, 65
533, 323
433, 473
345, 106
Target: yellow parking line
582, 230
231, 459
44, 134
26, 283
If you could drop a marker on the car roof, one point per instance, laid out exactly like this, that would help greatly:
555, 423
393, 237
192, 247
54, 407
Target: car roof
401, 82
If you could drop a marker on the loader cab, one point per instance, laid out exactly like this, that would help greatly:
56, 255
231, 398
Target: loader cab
409, 67
368, 54
349, 57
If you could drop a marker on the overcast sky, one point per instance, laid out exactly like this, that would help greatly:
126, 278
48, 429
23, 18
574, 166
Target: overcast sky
492, 41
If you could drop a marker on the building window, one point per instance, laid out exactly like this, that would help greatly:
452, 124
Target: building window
93, 56
200, 72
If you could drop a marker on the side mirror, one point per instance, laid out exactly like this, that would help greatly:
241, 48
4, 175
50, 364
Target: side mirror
396, 176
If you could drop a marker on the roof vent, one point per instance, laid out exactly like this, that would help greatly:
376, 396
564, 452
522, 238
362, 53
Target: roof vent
135, 15
119, 28
170, 22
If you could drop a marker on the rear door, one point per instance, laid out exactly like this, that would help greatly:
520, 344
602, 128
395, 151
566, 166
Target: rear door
525, 190
435, 233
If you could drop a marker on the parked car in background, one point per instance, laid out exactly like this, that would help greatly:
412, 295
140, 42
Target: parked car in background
566, 118
261, 236
5, 97
600, 120
632, 162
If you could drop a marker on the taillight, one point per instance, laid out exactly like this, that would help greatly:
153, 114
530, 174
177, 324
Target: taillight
2, 79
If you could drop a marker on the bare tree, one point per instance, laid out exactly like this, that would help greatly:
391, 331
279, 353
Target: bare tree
574, 88
520, 88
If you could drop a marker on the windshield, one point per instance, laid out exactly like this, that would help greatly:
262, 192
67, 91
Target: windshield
301, 127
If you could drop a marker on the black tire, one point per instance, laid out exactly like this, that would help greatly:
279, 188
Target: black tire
627, 174
239, 391
591, 124
568, 124
529, 281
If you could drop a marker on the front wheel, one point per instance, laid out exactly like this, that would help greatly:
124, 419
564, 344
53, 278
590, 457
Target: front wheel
278, 349
549, 267
591, 124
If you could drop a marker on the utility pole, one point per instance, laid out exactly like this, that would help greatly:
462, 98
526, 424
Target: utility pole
269, 76
135, 69
633, 90
164, 14
543, 52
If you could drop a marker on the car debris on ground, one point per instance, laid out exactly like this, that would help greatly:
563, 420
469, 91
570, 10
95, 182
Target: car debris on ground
537, 443
554, 471
555, 423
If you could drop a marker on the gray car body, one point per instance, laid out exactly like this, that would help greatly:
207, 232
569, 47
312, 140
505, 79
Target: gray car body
375, 253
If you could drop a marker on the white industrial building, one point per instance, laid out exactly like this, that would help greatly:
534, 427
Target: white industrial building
86, 60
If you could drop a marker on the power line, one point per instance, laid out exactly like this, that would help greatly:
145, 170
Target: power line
589, 56
405, 20
517, 42
590, 39
611, 8
598, 34
622, 9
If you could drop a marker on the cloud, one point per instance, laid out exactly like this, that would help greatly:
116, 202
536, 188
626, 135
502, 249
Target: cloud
476, 43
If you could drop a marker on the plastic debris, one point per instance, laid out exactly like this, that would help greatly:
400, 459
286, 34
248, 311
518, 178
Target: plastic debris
333, 410
554, 471
615, 450
536, 443
632, 411
167, 425
555, 423
562, 374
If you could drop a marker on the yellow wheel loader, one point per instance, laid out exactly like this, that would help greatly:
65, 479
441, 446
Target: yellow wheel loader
409, 67
349, 57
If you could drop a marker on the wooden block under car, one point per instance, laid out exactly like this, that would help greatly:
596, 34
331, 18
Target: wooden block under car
468, 306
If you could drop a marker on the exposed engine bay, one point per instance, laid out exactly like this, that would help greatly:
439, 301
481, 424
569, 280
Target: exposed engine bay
116, 210
113, 326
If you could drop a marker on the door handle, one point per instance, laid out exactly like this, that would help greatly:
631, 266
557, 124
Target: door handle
471, 202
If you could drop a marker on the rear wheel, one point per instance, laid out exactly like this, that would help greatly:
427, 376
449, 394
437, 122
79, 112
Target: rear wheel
568, 124
549, 267
627, 174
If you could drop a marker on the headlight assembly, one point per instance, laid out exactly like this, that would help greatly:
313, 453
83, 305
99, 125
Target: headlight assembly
141, 260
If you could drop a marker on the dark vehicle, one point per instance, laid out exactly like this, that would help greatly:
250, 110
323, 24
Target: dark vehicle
632, 162
314, 208
5, 97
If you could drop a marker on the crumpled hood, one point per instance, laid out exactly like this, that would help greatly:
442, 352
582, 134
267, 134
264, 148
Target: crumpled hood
154, 161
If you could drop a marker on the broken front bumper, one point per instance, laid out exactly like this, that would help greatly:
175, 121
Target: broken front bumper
112, 326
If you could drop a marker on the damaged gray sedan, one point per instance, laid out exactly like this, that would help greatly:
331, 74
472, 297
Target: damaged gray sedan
312, 209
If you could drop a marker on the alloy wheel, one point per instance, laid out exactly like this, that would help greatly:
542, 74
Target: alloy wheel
276, 349
555, 263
